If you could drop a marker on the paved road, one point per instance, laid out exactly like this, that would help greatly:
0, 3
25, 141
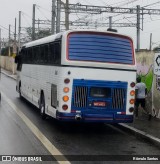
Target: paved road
68, 139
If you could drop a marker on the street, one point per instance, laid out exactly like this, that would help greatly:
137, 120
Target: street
19, 119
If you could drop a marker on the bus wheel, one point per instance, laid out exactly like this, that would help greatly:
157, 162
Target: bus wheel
42, 107
20, 95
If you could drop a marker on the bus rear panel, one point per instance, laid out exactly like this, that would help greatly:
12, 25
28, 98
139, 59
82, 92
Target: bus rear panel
96, 96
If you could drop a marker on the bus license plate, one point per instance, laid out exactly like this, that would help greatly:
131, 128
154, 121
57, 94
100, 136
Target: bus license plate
103, 104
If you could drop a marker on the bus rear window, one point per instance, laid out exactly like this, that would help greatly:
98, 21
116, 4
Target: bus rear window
100, 47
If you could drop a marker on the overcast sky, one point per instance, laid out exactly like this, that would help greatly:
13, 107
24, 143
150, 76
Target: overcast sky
9, 10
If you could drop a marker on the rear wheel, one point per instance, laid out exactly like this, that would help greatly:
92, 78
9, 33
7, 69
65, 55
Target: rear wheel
42, 107
20, 95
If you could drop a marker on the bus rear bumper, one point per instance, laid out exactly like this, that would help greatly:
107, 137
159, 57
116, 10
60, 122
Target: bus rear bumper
107, 118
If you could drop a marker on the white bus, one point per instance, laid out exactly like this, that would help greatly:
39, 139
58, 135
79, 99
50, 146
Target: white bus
79, 75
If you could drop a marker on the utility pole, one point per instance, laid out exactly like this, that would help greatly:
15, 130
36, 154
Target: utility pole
53, 16
150, 47
38, 28
138, 27
9, 38
15, 42
33, 22
0, 42
110, 22
58, 16
15, 30
67, 14
0, 60
19, 32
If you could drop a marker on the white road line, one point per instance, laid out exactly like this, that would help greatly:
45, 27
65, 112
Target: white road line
49, 146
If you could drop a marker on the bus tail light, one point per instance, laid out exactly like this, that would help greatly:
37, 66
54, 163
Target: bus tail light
131, 101
65, 107
132, 93
131, 109
66, 81
66, 89
65, 98
133, 84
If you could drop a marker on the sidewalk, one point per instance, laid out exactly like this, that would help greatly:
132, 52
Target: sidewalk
144, 128
141, 127
9, 74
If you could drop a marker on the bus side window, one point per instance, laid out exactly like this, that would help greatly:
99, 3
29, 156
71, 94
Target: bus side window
46, 53
26, 57
35, 55
51, 56
57, 53
38, 54
29, 56
42, 54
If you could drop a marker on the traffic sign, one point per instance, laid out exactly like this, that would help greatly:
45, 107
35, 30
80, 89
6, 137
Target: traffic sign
157, 64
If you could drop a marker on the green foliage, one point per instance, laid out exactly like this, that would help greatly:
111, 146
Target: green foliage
148, 79
5, 51
156, 49
39, 34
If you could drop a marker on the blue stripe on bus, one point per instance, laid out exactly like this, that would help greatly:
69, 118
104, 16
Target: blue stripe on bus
100, 48
100, 37
96, 117
92, 51
111, 41
100, 59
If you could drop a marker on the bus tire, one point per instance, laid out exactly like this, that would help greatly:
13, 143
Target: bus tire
42, 107
20, 95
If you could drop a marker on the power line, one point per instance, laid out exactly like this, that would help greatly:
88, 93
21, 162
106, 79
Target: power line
41, 12
6, 29
26, 19
152, 4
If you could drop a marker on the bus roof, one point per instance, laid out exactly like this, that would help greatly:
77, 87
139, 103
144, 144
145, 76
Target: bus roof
44, 40
51, 38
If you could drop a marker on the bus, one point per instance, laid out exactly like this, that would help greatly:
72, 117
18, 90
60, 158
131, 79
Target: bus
79, 75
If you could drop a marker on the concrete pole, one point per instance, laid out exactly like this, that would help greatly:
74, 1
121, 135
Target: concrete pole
67, 15
33, 22
150, 45
0, 60
138, 27
58, 16
38, 28
19, 32
110, 22
53, 16
9, 38
0, 42
15, 30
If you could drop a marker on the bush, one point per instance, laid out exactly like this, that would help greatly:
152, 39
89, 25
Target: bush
5, 51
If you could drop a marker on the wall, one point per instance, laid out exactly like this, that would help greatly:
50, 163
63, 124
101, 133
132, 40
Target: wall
8, 63
145, 70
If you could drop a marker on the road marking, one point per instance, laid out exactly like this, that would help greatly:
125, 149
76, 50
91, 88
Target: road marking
49, 146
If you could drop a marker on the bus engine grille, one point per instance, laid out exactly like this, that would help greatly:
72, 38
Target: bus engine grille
118, 98
80, 96
87, 93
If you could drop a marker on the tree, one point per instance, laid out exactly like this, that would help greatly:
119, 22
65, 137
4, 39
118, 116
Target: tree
39, 34
5, 51
156, 48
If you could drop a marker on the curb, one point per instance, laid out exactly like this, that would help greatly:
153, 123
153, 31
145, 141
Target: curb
8, 75
140, 134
